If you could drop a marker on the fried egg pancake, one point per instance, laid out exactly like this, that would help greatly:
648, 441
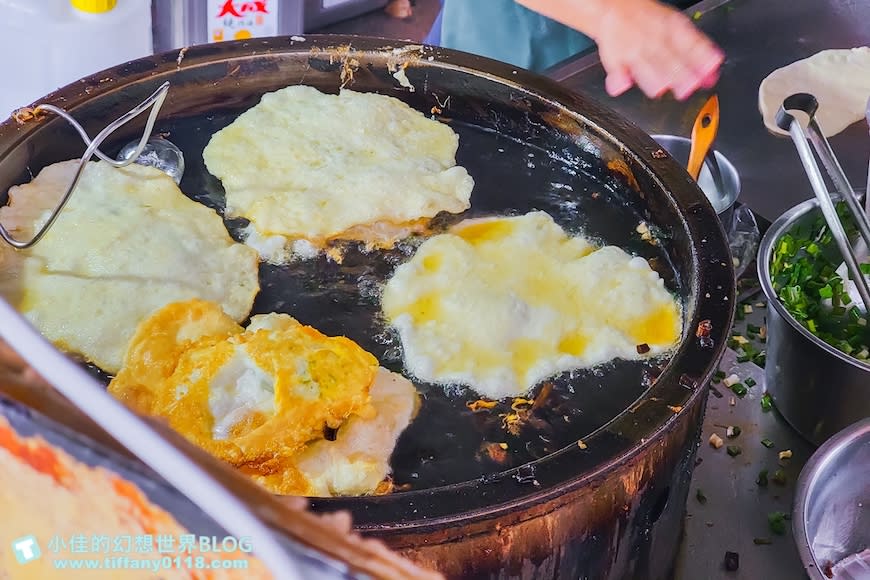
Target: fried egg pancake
305, 165
127, 243
499, 304
261, 398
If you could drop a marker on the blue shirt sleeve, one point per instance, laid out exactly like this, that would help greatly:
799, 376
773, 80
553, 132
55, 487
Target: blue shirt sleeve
507, 31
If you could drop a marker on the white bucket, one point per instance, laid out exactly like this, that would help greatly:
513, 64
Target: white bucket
46, 44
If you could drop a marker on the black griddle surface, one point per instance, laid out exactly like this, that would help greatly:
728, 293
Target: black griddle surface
445, 442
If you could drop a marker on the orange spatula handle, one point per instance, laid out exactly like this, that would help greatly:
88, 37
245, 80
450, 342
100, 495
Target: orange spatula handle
703, 134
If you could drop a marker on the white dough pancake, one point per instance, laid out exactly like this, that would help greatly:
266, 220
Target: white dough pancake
839, 79
305, 165
128, 243
359, 458
499, 304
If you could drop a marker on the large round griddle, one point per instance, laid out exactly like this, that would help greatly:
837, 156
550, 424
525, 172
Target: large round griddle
530, 145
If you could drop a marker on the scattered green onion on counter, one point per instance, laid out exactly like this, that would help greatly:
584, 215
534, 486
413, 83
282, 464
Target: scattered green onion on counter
776, 522
779, 477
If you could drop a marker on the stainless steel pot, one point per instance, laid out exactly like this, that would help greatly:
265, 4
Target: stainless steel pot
831, 517
817, 388
722, 199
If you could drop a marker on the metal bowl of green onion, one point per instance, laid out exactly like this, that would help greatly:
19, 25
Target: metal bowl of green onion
818, 338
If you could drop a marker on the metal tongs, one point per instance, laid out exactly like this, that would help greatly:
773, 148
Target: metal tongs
154, 102
808, 104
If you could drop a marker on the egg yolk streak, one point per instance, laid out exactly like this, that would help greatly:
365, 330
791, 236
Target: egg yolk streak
501, 303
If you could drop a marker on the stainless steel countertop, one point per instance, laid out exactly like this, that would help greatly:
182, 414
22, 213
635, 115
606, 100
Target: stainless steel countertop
736, 508
758, 36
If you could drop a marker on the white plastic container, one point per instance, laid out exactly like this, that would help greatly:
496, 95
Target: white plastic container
46, 44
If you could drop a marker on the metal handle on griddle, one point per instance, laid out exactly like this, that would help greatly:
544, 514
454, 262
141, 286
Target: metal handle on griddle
155, 101
808, 104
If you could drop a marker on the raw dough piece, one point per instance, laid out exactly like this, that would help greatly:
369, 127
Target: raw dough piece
839, 79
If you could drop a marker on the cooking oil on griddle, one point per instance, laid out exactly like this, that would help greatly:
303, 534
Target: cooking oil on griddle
454, 438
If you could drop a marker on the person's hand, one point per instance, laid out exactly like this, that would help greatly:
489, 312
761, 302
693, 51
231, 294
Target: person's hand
641, 42
655, 46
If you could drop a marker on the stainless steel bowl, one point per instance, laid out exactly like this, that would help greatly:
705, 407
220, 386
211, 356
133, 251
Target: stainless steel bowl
831, 516
722, 198
817, 388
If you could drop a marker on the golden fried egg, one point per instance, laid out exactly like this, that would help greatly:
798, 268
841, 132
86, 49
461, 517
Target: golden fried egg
499, 304
262, 398
127, 243
307, 167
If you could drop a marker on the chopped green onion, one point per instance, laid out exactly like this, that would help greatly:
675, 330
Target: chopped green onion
699, 495
776, 522
734, 450
750, 382
767, 443
803, 270
761, 480
779, 477
766, 402
720, 374
738, 389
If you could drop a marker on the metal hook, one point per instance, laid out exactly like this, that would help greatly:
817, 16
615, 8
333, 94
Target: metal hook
808, 104
155, 101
